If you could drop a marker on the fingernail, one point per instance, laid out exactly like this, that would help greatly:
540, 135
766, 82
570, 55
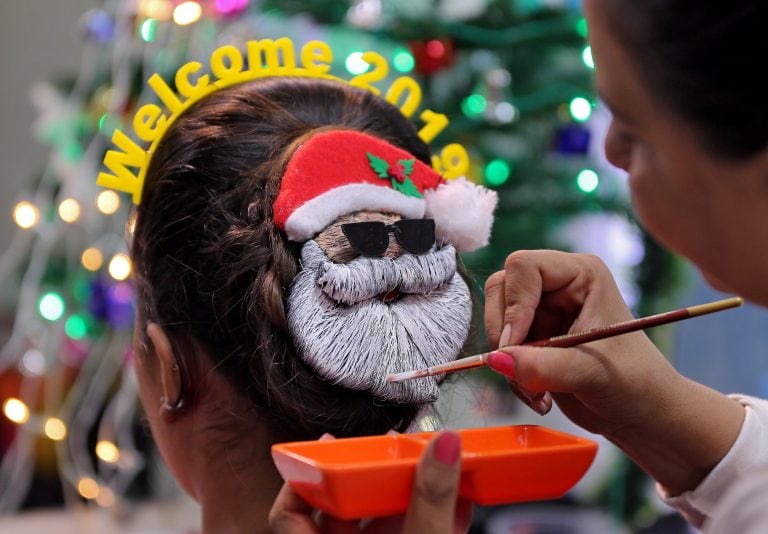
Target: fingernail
327, 436
448, 448
501, 362
506, 333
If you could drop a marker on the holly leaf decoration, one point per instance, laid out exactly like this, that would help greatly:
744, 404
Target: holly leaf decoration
379, 165
407, 165
406, 188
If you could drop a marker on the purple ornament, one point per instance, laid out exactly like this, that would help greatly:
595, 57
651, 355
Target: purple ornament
120, 305
98, 305
571, 140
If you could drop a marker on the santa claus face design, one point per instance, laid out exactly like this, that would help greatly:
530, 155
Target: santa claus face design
377, 292
355, 318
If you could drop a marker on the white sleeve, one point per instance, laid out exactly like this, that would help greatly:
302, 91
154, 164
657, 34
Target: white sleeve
748, 454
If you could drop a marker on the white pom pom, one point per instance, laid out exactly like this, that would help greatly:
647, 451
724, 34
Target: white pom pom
463, 213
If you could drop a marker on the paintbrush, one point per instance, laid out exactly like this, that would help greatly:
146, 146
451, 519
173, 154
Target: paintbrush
578, 338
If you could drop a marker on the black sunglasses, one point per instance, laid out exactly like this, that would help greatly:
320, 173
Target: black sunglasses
371, 238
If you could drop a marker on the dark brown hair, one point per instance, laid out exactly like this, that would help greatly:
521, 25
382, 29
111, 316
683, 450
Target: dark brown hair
702, 60
212, 269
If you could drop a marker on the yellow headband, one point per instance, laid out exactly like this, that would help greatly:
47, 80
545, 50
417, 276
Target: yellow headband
265, 58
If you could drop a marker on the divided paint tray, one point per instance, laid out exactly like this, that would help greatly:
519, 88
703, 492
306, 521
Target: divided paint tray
372, 476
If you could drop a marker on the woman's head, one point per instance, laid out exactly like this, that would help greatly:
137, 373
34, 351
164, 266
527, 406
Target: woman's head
690, 126
214, 271
700, 59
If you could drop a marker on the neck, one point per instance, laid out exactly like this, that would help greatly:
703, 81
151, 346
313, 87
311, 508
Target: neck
236, 496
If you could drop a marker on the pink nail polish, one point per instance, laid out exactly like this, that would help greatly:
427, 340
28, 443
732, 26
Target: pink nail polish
448, 448
501, 362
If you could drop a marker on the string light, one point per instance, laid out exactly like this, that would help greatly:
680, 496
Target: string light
355, 63
92, 259
497, 172
26, 214
230, 7
582, 28
157, 9
586, 57
88, 488
69, 210
187, 13
587, 180
107, 451
474, 105
108, 202
402, 60
147, 30
76, 327
32, 363
580, 109
120, 266
51, 306
55, 429
16, 411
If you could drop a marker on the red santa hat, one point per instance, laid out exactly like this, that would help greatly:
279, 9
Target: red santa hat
343, 171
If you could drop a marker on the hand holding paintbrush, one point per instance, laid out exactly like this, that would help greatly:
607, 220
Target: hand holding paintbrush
578, 338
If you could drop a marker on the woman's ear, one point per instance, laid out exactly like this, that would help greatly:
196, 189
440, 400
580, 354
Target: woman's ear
170, 372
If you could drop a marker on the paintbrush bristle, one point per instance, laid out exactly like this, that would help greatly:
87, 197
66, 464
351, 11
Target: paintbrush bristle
407, 375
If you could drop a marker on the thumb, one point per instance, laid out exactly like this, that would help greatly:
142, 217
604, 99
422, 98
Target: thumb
436, 486
546, 368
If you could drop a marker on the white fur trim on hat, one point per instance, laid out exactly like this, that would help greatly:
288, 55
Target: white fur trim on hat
463, 213
317, 213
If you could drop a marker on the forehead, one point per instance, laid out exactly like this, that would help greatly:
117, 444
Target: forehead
616, 77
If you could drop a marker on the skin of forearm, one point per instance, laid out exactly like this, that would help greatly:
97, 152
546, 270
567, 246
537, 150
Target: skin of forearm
691, 433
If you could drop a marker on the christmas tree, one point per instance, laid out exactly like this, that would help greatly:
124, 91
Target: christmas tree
513, 77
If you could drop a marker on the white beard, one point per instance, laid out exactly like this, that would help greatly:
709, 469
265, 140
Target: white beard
352, 338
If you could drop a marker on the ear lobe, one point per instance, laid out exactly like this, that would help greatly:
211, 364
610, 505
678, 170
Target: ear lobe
170, 373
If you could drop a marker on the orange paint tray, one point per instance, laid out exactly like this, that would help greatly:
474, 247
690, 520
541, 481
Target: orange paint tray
372, 476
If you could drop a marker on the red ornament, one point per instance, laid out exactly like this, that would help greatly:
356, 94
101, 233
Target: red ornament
433, 55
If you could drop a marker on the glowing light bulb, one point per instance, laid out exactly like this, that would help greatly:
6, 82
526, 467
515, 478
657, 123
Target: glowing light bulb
107, 451
120, 266
474, 105
147, 30
355, 63
76, 327
88, 488
156, 9
497, 172
108, 202
92, 259
51, 306
586, 57
69, 210
32, 363
55, 429
26, 214
16, 411
187, 13
403, 60
587, 180
580, 109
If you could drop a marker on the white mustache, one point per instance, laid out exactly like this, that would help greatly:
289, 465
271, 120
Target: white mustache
364, 278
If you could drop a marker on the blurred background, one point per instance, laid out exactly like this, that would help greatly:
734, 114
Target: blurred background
514, 78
